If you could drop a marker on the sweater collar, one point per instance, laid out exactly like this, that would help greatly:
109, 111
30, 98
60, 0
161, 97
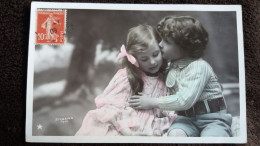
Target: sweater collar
182, 63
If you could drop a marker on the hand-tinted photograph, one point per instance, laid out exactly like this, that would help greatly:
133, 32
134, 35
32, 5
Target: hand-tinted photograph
154, 73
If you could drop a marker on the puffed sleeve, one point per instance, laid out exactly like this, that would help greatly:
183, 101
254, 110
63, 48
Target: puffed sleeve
117, 91
112, 104
113, 113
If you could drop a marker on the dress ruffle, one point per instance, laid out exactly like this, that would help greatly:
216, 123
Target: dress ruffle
113, 112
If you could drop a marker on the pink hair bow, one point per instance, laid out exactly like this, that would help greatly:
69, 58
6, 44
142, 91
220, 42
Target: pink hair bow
130, 58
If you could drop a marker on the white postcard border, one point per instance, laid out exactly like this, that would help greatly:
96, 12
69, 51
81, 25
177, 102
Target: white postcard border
126, 139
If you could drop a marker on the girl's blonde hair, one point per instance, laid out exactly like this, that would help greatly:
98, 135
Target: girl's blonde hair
139, 39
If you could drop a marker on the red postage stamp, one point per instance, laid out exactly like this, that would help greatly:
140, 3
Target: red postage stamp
51, 27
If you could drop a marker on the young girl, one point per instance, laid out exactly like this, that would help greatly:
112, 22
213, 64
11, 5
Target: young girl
142, 60
194, 90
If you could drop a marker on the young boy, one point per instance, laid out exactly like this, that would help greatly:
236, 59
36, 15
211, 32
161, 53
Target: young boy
193, 88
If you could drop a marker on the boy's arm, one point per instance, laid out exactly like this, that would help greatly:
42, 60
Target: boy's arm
143, 101
195, 78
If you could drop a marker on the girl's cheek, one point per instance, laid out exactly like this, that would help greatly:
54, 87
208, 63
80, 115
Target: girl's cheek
159, 57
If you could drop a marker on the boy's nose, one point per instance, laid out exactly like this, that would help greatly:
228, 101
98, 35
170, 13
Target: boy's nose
160, 44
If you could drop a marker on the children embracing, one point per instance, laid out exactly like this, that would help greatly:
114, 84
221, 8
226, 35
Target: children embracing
193, 88
163, 74
142, 72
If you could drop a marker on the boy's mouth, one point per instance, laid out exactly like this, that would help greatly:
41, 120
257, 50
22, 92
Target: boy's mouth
164, 56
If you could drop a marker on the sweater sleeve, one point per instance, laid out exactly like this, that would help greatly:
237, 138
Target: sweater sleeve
193, 80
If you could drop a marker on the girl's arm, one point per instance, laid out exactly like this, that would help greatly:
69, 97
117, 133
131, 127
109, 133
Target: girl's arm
195, 78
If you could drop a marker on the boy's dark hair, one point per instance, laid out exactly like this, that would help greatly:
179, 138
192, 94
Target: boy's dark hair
186, 32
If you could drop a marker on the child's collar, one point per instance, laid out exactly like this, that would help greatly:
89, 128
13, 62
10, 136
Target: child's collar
155, 75
182, 63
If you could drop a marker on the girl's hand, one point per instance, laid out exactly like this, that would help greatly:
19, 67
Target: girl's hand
140, 134
157, 132
128, 132
143, 101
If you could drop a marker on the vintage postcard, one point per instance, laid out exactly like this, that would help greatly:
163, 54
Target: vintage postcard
135, 73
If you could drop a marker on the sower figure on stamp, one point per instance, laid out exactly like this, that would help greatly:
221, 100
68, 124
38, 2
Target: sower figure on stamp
50, 32
193, 87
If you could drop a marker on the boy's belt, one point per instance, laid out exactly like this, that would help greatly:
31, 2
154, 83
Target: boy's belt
204, 107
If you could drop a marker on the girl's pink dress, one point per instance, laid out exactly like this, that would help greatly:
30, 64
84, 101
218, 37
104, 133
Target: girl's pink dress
113, 112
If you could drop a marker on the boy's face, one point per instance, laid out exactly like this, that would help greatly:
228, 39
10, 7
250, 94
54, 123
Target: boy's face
150, 60
170, 51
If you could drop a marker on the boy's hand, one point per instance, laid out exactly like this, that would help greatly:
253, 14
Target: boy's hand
143, 101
